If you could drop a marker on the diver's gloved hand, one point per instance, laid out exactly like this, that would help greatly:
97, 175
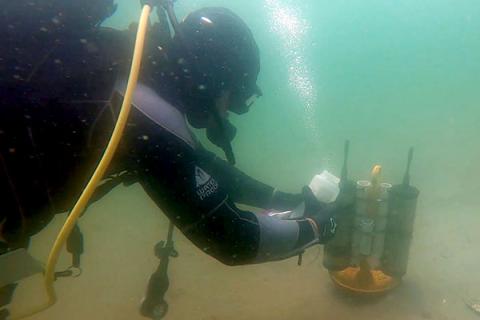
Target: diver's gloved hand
322, 214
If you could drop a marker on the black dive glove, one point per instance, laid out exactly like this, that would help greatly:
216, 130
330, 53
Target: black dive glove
322, 215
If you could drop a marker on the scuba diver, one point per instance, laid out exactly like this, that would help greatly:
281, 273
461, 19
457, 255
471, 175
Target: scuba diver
62, 79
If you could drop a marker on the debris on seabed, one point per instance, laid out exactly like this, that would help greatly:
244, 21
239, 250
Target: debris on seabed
474, 305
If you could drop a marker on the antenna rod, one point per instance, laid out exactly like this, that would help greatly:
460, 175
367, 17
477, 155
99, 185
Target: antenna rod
406, 177
344, 173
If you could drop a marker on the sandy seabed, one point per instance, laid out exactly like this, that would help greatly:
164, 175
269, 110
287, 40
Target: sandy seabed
121, 230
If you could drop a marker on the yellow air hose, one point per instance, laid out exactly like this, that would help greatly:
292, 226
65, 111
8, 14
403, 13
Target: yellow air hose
97, 176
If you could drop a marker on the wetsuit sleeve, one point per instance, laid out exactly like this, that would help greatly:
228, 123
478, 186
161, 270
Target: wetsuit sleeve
180, 181
245, 189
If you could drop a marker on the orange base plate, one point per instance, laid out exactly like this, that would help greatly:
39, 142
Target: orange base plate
362, 281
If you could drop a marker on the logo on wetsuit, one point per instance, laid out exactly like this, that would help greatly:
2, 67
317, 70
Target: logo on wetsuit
206, 185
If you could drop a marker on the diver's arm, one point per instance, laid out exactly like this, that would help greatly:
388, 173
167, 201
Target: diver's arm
202, 208
245, 189
208, 217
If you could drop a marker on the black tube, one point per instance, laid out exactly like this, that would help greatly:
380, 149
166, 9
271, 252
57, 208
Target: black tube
168, 5
337, 252
401, 217
226, 145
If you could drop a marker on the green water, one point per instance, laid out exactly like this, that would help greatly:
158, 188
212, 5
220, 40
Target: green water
385, 74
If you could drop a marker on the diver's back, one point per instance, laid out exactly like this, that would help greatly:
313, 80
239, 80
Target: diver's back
55, 88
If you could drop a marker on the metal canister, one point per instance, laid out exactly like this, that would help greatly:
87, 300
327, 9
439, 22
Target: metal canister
381, 217
337, 252
361, 239
365, 226
401, 217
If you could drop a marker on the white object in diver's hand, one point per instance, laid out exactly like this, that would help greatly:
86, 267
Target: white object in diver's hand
325, 187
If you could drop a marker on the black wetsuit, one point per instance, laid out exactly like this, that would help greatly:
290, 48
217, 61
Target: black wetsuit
57, 109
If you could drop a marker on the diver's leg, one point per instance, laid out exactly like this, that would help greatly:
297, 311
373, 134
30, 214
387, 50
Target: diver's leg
6, 295
12, 237
6, 292
4, 314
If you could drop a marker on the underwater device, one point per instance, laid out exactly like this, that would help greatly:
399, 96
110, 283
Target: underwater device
369, 253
